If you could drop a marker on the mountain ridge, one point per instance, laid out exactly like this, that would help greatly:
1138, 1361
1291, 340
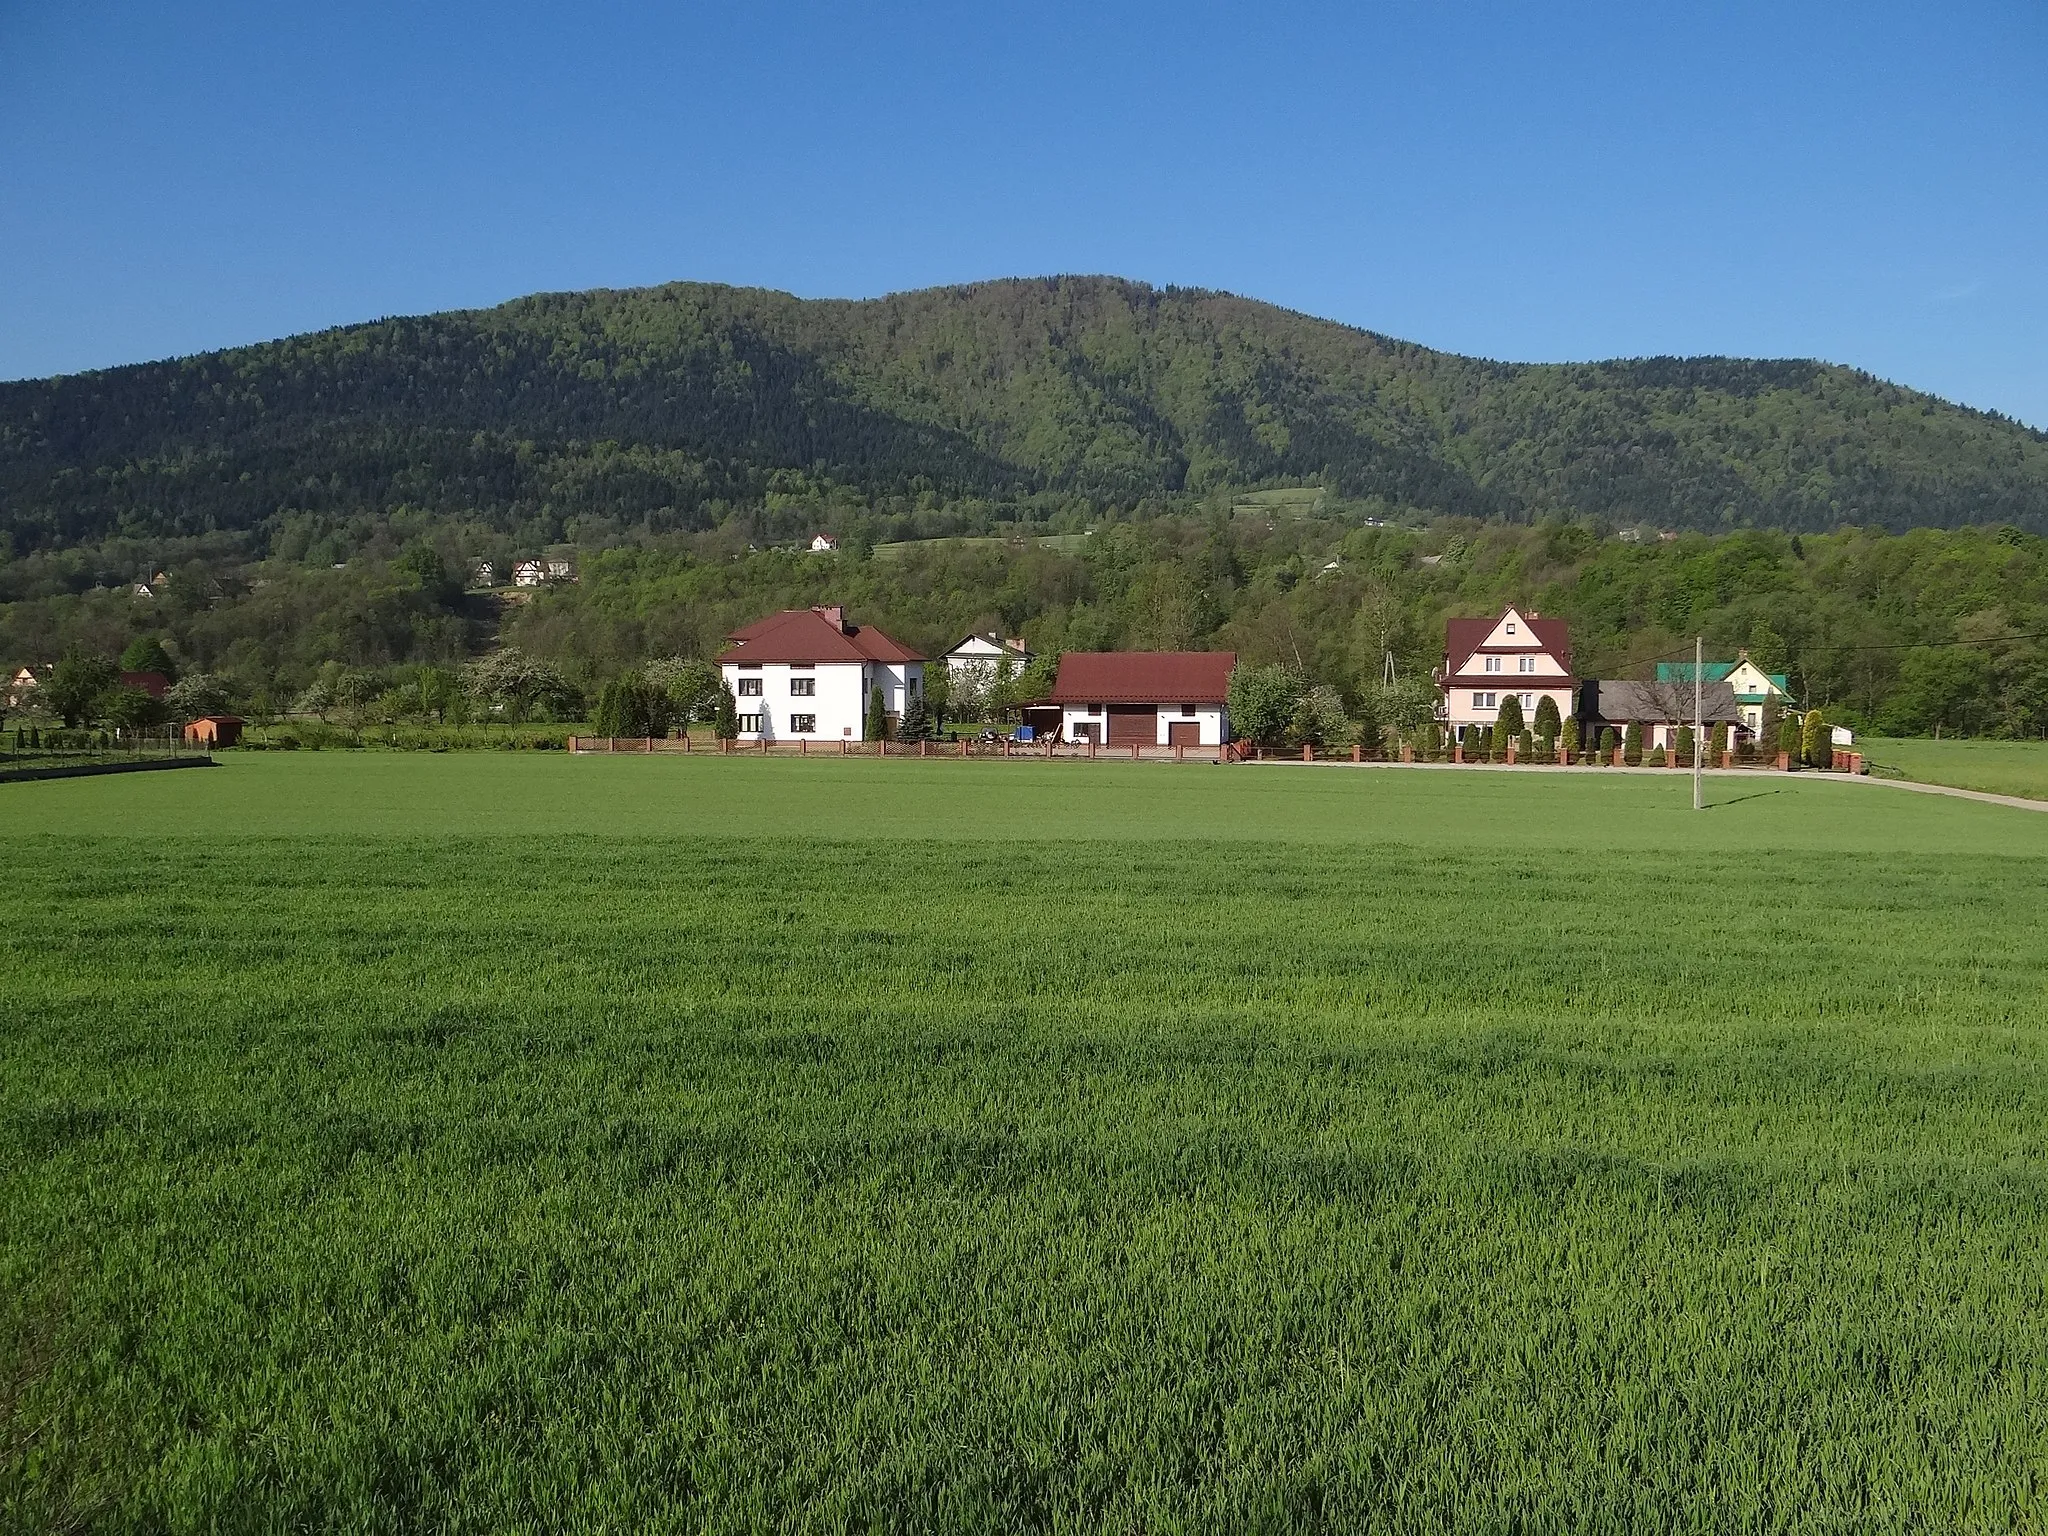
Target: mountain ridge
672, 406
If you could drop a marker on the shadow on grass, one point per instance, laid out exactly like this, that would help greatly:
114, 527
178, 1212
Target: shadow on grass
1758, 794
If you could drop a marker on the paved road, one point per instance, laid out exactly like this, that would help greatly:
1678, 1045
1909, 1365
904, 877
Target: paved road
2015, 801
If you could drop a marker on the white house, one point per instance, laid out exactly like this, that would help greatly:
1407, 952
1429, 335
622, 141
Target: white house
977, 659
824, 543
808, 673
537, 573
1485, 660
1145, 698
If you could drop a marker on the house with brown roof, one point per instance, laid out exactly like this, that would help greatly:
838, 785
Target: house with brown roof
1144, 698
1514, 652
809, 673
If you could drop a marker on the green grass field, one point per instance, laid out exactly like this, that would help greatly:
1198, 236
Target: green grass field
526, 1143
2001, 767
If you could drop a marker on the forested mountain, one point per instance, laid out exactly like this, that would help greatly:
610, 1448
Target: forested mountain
672, 409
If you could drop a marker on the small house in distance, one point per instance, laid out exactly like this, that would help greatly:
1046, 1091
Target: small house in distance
978, 657
1485, 660
824, 543
1662, 709
809, 673
213, 731
1144, 698
1754, 688
155, 684
538, 573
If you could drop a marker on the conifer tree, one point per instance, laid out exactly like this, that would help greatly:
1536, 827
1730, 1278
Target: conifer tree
877, 726
725, 723
1632, 745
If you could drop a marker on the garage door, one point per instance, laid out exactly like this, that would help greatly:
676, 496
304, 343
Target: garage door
1133, 725
1184, 733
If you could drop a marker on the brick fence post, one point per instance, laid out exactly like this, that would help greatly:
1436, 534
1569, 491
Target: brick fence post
1357, 753
1457, 751
1407, 752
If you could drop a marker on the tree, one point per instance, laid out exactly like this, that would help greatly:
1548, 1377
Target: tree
1632, 744
76, 688
199, 693
938, 693
726, 722
629, 706
1571, 734
1788, 739
422, 563
1525, 748
515, 686
134, 709
876, 727
1608, 742
1510, 719
691, 685
1816, 742
1767, 722
1547, 721
146, 653
1261, 702
354, 693
1318, 720
915, 724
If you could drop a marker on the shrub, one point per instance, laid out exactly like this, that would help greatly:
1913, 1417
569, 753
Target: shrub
1816, 743
725, 724
1657, 758
1261, 701
1608, 742
1525, 748
1547, 723
1571, 735
1632, 745
1684, 745
1510, 722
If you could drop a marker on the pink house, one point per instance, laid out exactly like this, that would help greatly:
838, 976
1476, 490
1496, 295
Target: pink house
1515, 652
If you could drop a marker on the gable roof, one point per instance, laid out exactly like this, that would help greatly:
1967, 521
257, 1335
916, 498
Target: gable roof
1143, 677
1463, 638
1665, 701
997, 646
1713, 672
813, 634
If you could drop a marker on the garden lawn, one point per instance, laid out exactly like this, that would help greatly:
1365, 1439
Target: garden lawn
530, 1143
2000, 767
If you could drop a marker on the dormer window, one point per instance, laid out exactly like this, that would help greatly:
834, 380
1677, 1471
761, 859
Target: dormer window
1511, 626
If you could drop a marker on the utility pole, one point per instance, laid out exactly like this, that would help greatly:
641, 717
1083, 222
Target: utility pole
1699, 725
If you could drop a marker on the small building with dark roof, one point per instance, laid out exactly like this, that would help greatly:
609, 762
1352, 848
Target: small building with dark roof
213, 731
808, 674
1661, 709
1144, 698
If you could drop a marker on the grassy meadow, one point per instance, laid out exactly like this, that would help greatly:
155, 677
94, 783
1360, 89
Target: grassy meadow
527, 1143
2000, 767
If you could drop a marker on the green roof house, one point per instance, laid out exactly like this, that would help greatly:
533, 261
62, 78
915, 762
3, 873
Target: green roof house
1753, 686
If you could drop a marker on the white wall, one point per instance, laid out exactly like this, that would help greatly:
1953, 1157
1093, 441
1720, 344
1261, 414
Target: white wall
840, 701
1459, 710
1211, 717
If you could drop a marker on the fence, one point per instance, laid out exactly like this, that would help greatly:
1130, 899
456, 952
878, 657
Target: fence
61, 753
1019, 751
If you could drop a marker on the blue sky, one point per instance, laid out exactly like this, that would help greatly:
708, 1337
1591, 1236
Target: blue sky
1866, 183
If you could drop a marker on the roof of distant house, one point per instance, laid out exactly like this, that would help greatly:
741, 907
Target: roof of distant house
1713, 672
155, 684
1661, 702
1143, 677
1464, 637
813, 634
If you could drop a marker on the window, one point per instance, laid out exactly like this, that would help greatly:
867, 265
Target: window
1484, 701
1493, 663
1511, 626
803, 687
750, 725
1528, 701
1187, 711
750, 688
803, 725
1525, 664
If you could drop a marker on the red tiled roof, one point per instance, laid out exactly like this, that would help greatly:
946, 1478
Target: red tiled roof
812, 634
155, 684
1143, 677
1463, 637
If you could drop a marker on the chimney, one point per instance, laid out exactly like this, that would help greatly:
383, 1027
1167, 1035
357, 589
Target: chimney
835, 616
